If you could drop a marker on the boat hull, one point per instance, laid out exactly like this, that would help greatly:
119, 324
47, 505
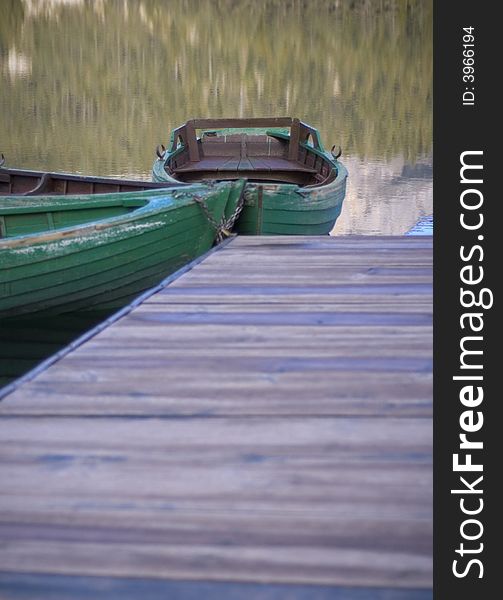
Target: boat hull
104, 265
285, 209
290, 210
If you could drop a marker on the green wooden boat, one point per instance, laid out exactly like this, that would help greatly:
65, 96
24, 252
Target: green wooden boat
99, 248
294, 186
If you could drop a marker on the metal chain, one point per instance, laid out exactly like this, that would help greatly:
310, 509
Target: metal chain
224, 228
206, 211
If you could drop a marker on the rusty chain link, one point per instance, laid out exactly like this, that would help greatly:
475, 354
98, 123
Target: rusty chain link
224, 228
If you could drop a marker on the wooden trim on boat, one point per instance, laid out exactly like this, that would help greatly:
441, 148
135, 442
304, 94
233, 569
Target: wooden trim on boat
293, 147
21, 182
43, 185
268, 156
306, 131
190, 131
258, 122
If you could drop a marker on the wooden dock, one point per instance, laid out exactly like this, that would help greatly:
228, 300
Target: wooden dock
259, 428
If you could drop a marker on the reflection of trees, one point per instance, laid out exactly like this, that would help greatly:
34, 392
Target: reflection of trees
117, 76
11, 19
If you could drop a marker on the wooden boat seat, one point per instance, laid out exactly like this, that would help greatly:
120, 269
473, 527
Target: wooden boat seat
249, 163
270, 155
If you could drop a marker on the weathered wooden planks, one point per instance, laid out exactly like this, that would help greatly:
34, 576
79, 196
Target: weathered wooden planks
57, 587
266, 418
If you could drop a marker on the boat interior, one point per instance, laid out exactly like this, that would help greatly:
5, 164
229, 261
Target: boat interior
18, 217
35, 183
291, 154
45, 215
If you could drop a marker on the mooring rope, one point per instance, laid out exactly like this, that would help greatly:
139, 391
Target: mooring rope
224, 228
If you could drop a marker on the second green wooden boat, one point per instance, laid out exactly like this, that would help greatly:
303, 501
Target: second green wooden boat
97, 252
294, 186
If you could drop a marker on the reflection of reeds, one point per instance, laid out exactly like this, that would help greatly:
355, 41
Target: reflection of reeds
118, 75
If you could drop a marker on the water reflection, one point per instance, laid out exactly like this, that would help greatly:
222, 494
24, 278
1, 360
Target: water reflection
26, 342
93, 87
385, 197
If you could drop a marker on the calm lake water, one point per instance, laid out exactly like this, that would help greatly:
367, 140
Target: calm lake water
93, 86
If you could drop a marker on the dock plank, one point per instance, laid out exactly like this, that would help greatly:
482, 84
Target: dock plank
15, 586
265, 418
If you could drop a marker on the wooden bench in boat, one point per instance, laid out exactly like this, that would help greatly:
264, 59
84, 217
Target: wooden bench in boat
245, 163
270, 156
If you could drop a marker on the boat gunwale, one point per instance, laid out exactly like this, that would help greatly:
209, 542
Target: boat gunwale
22, 209
108, 180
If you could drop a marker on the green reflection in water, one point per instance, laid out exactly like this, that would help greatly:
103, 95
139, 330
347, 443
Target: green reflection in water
93, 87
